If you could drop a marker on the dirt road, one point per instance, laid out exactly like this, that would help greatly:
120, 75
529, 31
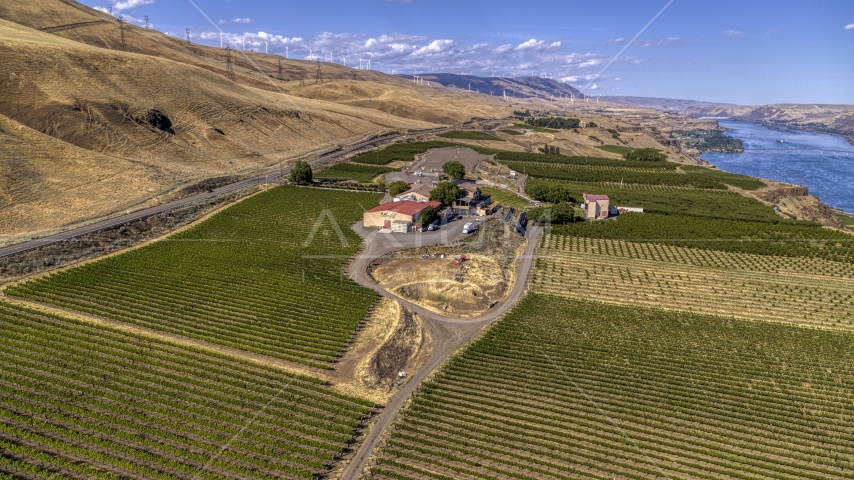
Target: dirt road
449, 334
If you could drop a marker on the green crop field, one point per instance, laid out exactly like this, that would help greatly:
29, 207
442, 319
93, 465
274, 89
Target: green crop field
618, 149
777, 289
404, 152
847, 220
671, 200
352, 171
740, 181
568, 389
262, 276
782, 238
511, 132
605, 173
82, 401
470, 135
535, 128
505, 197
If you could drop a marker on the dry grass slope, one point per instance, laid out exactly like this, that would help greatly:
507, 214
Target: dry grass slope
88, 130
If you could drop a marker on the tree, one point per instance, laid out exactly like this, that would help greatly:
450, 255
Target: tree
591, 125
646, 155
559, 214
301, 174
428, 216
445, 193
455, 170
397, 188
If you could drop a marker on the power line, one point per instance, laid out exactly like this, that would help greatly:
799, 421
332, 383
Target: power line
229, 68
121, 20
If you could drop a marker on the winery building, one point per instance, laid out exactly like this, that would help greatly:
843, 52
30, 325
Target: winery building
596, 206
408, 212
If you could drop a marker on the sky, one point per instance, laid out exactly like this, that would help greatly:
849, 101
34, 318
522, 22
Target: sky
728, 51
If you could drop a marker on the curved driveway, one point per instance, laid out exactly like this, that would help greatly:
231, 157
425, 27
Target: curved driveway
448, 333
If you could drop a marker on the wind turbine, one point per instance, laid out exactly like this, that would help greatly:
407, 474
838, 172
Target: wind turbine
244, 43
220, 39
287, 52
266, 48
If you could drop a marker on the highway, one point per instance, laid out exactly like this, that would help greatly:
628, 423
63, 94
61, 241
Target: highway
448, 333
121, 220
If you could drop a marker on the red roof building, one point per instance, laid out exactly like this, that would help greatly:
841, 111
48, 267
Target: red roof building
596, 206
406, 211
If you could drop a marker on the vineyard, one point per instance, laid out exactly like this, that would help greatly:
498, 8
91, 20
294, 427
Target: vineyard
606, 173
569, 389
262, 276
470, 135
778, 289
780, 238
670, 199
352, 171
81, 401
402, 152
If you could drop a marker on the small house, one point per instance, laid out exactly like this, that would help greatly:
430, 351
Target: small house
596, 206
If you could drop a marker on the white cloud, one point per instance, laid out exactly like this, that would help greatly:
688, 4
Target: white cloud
652, 42
612, 41
849, 27
127, 18
595, 86
242, 20
129, 4
405, 53
222, 22
733, 33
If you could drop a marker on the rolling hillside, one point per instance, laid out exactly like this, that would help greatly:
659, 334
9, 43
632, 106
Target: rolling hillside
89, 130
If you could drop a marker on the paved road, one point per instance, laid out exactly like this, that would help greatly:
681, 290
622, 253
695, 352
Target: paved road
448, 333
114, 222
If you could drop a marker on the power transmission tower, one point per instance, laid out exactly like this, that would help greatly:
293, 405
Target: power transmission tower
319, 77
188, 37
121, 20
281, 71
229, 68
146, 22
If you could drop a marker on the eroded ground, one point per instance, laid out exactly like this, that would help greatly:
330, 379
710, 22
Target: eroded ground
434, 279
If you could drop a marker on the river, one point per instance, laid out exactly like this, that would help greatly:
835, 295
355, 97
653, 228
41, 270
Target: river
809, 162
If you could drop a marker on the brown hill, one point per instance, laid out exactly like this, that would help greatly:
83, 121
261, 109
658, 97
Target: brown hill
88, 130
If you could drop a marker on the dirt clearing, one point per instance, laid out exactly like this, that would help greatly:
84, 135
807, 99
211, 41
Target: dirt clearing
439, 279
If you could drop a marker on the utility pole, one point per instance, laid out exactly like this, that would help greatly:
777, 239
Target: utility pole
122, 31
146, 22
229, 68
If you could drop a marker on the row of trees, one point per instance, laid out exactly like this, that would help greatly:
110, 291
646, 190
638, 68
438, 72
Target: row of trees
556, 123
550, 150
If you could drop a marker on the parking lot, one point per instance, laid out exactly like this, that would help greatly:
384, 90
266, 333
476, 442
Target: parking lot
430, 164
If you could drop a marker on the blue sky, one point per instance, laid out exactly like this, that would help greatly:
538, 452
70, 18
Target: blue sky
734, 51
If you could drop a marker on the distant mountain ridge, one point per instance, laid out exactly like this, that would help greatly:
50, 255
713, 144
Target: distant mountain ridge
498, 86
834, 119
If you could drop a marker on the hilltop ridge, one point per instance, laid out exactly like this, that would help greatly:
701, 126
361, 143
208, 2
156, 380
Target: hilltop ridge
90, 129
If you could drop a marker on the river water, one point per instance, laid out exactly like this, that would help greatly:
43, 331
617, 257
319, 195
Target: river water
810, 162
